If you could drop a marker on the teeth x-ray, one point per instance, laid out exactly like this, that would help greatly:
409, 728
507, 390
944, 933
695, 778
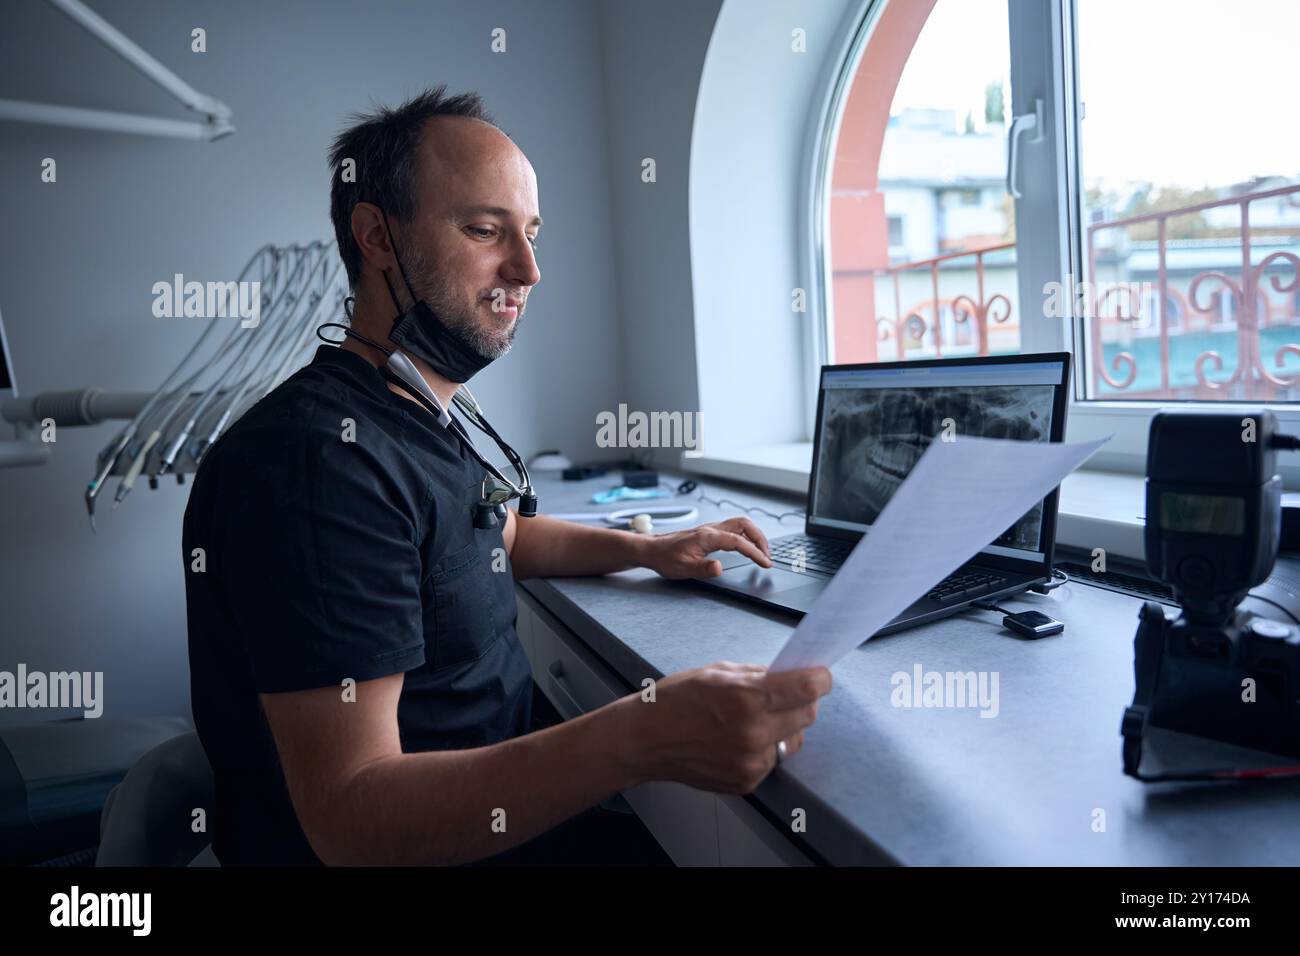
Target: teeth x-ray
871, 438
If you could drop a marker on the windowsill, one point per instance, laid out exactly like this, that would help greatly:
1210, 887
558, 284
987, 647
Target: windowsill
784, 466
1098, 509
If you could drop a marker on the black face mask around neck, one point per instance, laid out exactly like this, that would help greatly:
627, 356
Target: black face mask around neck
420, 332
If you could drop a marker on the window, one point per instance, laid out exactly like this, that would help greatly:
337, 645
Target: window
895, 233
1169, 191
828, 167
923, 145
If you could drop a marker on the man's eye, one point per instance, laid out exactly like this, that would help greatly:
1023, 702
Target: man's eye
482, 232
532, 241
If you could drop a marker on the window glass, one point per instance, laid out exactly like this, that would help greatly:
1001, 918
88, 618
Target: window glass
922, 233
1191, 200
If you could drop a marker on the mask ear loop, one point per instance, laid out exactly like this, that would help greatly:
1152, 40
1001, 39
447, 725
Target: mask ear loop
394, 356
398, 259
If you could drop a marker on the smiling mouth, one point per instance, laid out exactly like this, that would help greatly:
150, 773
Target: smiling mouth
508, 310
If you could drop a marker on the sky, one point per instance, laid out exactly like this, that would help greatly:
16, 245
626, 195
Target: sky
1176, 92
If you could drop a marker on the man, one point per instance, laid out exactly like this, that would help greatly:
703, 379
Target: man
357, 681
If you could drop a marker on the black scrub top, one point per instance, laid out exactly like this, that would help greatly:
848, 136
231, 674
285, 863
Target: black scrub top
336, 527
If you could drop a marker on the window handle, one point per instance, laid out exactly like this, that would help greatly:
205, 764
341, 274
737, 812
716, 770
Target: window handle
1024, 123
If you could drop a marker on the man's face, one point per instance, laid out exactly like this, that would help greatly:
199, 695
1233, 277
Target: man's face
469, 251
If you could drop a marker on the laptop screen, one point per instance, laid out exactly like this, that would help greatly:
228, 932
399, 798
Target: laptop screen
874, 422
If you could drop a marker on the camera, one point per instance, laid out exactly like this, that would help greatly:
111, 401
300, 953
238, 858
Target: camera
1228, 666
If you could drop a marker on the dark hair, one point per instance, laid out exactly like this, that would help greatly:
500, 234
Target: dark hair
384, 147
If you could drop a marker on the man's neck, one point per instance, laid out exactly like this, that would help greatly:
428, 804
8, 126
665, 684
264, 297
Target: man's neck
441, 387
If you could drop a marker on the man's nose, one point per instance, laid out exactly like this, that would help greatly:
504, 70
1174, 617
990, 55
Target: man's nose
521, 267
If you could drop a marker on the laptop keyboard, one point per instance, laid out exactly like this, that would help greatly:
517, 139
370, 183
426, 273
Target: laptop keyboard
963, 585
818, 554
828, 554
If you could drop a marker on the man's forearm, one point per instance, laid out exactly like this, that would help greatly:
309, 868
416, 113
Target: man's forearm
547, 546
456, 806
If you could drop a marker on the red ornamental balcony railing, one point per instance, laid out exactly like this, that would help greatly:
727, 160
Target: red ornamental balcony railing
977, 309
1245, 287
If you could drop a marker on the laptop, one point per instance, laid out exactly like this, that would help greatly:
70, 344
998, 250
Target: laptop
873, 423
8, 388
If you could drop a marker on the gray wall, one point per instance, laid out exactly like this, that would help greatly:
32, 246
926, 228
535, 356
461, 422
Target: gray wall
78, 258
654, 56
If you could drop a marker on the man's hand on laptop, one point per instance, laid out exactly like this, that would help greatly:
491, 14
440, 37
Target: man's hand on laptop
685, 554
717, 727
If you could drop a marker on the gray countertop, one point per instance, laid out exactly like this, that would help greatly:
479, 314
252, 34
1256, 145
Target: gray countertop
1039, 783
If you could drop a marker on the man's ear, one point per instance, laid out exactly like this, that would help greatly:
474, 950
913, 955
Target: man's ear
372, 237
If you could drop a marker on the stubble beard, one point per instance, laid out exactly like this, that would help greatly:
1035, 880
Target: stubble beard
463, 322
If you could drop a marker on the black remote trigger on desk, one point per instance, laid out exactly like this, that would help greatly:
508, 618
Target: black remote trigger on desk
1032, 624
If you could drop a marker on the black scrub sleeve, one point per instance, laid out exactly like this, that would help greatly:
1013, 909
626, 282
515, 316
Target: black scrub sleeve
318, 559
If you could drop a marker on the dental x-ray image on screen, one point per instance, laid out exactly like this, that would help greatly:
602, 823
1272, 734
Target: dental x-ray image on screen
871, 438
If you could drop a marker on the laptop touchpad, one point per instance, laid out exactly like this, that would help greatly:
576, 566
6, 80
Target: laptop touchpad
761, 581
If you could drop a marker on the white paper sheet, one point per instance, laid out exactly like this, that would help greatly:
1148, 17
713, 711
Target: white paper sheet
958, 497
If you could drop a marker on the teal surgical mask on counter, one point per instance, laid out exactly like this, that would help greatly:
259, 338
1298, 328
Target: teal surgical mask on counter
624, 493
